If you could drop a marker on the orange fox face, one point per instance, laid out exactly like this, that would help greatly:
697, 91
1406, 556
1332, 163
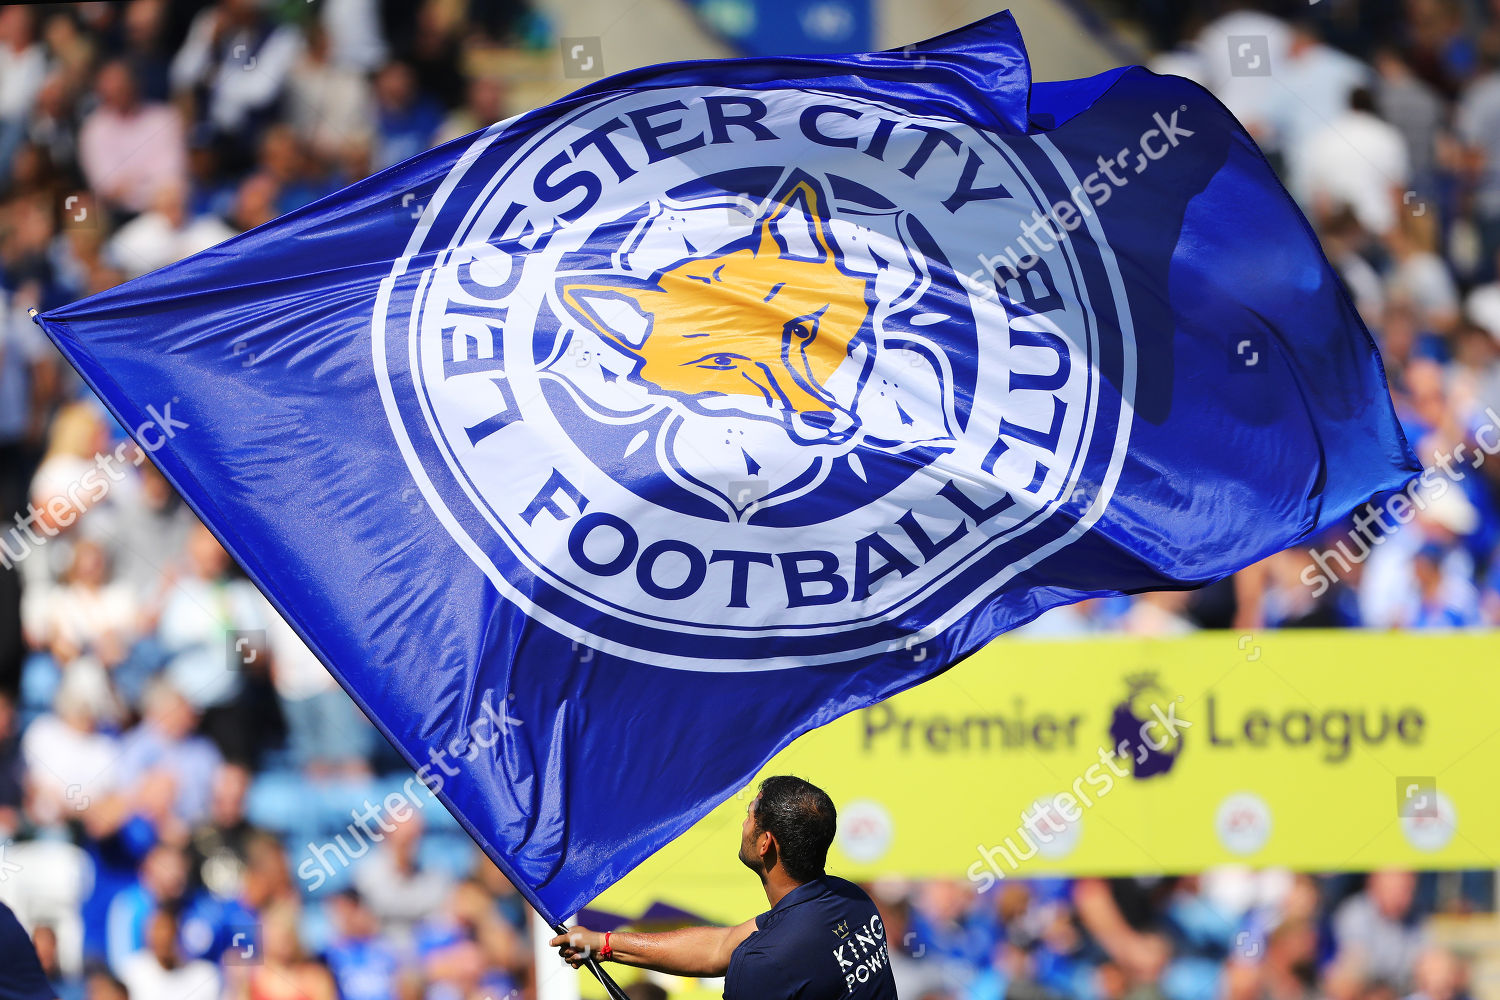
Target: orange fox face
759, 324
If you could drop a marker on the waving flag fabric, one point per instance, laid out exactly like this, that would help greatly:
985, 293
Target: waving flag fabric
603, 452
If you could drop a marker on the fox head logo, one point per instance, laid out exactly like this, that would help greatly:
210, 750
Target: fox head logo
757, 329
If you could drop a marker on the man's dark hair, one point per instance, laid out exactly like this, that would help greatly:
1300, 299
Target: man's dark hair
801, 817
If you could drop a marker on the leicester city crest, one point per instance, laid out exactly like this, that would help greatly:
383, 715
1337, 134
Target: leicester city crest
741, 378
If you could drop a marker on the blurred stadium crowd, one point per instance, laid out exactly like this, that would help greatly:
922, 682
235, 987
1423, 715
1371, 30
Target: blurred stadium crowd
169, 750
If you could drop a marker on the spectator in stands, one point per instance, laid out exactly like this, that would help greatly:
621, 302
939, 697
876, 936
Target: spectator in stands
53, 129
395, 884
165, 232
131, 151
219, 846
1439, 975
234, 65
213, 628
284, 161
1440, 603
101, 985
484, 107
161, 971
58, 492
1376, 929
165, 767
64, 986
163, 883
1355, 161
142, 45
23, 68
284, 971
71, 50
1316, 83
407, 120
365, 964
255, 202
330, 105
159, 524
468, 947
89, 613
69, 761
1416, 110
1417, 275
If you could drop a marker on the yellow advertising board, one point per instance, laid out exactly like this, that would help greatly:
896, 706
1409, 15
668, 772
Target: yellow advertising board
1312, 750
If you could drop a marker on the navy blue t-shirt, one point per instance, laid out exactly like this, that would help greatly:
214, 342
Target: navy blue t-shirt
823, 941
21, 976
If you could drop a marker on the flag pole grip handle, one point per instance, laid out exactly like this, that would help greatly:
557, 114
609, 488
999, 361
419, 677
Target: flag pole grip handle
605, 980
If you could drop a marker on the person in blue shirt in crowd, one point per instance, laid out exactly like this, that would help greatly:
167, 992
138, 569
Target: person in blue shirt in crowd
364, 963
822, 937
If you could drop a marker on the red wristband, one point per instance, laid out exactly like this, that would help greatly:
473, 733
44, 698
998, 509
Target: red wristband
606, 952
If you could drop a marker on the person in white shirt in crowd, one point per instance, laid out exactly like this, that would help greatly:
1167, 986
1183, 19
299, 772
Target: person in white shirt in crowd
131, 151
164, 234
236, 60
213, 629
1314, 83
154, 525
161, 972
331, 105
1240, 53
23, 69
353, 28
1356, 160
69, 761
89, 612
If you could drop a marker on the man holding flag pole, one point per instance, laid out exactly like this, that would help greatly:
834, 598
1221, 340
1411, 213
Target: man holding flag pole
822, 937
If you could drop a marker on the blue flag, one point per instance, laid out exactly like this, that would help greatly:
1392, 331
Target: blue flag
603, 452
